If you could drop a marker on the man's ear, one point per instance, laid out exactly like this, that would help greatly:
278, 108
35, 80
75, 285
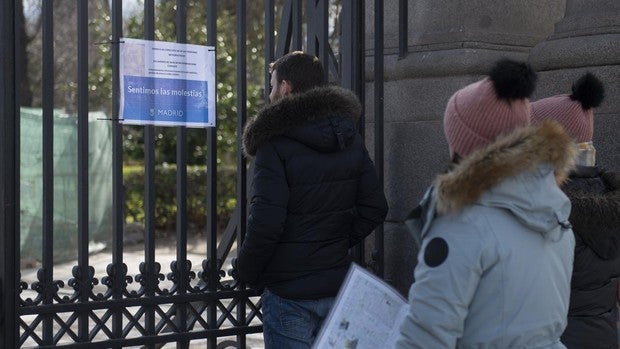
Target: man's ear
286, 87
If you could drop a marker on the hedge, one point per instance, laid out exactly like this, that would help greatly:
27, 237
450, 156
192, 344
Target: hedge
165, 196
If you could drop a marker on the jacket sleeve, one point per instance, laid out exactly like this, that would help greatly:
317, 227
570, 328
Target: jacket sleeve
266, 216
450, 265
371, 205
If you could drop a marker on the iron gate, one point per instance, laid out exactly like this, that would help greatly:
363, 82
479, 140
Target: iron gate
199, 305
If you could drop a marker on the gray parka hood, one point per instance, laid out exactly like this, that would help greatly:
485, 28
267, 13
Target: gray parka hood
323, 118
490, 176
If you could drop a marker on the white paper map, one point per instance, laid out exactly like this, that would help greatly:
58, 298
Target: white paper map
366, 315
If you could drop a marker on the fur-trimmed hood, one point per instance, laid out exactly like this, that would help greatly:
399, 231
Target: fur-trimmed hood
323, 118
521, 151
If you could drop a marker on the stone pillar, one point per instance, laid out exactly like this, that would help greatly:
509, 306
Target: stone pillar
586, 39
451, 44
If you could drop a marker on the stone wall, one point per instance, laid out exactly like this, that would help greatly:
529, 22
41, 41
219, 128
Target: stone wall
452, 44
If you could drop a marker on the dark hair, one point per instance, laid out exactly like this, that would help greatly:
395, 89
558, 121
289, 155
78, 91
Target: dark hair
302, 70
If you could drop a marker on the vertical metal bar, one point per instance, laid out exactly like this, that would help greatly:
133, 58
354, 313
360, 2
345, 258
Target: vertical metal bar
149, 190
379, 125
352, 68
361, 71
269, 42
47, 80
403, 31
285, 31
117, 171
360, 75
318, 13
212, 190
181, 257
296, 25
24, 92
347, 43
323, 35
241, 163
82, 171
311, 42
9, 177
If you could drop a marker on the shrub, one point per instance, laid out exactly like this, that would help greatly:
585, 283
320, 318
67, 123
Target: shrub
165, 196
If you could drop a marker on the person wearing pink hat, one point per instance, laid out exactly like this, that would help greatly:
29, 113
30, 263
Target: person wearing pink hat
595, 217
496, 258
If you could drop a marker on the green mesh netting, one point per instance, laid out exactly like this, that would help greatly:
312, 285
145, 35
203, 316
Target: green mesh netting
65, 183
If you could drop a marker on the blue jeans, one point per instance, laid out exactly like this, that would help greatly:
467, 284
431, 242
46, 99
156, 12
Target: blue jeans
292, 324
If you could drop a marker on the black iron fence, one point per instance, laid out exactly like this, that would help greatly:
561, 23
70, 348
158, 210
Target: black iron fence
119, 309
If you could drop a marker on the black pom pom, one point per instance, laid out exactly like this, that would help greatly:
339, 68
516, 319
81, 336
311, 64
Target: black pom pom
589, 91
513, 80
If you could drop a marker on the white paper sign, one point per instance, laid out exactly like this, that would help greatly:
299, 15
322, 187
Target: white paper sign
167, 84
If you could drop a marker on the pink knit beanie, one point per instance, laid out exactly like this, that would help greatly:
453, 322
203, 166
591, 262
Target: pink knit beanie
573, 112
480, 112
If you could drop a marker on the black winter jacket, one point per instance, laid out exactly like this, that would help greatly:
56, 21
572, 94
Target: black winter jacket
314, 194
595, 216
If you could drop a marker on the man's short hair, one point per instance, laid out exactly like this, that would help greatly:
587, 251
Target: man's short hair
302, 70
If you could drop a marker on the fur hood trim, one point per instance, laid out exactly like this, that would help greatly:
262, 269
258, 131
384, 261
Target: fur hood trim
296, 109
521, 150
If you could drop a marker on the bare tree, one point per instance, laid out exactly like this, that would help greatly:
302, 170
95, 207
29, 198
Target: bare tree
65, 54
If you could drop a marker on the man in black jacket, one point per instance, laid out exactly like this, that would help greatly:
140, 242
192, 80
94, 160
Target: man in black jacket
315, 194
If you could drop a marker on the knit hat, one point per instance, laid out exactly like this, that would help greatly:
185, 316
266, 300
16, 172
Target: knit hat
573, 112
480, 112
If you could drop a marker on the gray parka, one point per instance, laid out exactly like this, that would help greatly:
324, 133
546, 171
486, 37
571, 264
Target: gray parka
497, 249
